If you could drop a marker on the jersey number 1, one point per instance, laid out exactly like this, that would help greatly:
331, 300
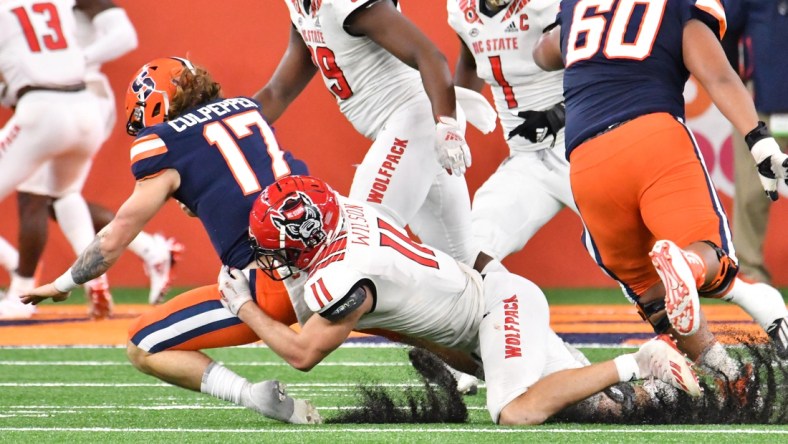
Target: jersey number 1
593, 27
53, 40
240, 124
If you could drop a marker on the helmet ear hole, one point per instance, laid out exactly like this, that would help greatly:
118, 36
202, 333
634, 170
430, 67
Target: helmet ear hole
156, 109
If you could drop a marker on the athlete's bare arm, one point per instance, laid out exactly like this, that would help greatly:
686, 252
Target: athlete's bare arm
547, 52
384, 25
465, 71
317, 338
148, 197
293, 73
93, 7
705, 59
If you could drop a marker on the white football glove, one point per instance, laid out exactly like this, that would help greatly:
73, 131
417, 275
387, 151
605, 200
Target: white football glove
772, 163
234, 288
453, 153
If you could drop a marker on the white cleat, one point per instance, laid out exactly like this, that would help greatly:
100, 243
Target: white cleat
270, 400
659, 358
159, 266
99, 298
11, 307
681, 294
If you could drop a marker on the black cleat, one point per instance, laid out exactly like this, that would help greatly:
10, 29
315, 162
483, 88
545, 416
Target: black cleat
778, 332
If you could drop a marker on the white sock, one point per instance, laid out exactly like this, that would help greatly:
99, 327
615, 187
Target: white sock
628, 368
9, 257
717, 358
221, 382
762, 302
74, 219
142, 245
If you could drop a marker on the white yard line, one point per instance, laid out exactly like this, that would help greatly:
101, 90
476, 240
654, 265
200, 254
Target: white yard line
162, 384
475, 429
234, 364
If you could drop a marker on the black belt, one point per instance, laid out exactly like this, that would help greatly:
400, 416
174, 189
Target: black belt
67, 88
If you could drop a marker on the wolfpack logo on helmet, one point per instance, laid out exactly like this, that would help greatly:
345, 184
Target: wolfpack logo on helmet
301, 220
143, 86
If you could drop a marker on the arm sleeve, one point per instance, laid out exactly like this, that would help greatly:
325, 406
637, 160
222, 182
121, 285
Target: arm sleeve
116, 36
712, 14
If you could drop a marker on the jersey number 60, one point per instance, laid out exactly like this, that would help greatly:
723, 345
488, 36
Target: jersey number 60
593, 28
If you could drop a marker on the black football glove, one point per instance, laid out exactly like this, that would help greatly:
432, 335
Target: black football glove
538, 125
771, 162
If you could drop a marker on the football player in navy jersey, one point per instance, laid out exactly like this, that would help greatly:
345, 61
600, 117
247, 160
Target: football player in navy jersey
652, 218
213, 155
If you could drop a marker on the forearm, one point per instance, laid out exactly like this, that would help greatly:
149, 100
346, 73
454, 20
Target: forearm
438, 84
273, 105
100, 255
734, 102
283, 340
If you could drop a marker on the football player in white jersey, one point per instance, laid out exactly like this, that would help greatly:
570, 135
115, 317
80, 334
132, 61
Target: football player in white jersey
395, 87
105, 33
532, 184
53, 126
360, 270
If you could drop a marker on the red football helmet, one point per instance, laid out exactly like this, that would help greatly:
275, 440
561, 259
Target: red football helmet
150, 91
290, 223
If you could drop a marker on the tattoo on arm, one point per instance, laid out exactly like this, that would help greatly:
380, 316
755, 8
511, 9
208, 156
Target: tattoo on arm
90, 264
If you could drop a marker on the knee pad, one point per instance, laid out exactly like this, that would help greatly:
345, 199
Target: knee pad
723, 281
660, 324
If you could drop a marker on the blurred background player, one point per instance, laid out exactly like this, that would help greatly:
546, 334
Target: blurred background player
532, 184
214, 156
53, 127
395, 87
104, 32
653, 221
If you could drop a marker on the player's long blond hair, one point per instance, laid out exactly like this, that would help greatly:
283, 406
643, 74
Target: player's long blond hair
193, 89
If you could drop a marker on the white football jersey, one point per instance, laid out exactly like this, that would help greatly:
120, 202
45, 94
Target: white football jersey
368, 82
86, 34
418, 291
502, 46
38, 44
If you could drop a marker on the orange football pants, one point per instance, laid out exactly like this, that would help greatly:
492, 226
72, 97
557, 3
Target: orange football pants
638, 183
196, 320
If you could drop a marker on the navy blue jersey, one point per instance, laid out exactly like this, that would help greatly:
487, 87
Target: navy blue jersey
624, 59
225, 154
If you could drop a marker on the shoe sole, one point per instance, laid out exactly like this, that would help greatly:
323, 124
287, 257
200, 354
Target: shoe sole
681, 298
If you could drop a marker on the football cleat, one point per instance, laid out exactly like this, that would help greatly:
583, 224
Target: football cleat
270, 400
659, 358
159, 267
778, 333
11, 307
681, 294
99, 298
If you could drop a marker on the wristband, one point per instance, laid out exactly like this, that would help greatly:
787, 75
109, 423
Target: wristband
65, 283
760, 132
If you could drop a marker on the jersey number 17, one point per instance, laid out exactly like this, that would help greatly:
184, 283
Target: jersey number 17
241, 126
